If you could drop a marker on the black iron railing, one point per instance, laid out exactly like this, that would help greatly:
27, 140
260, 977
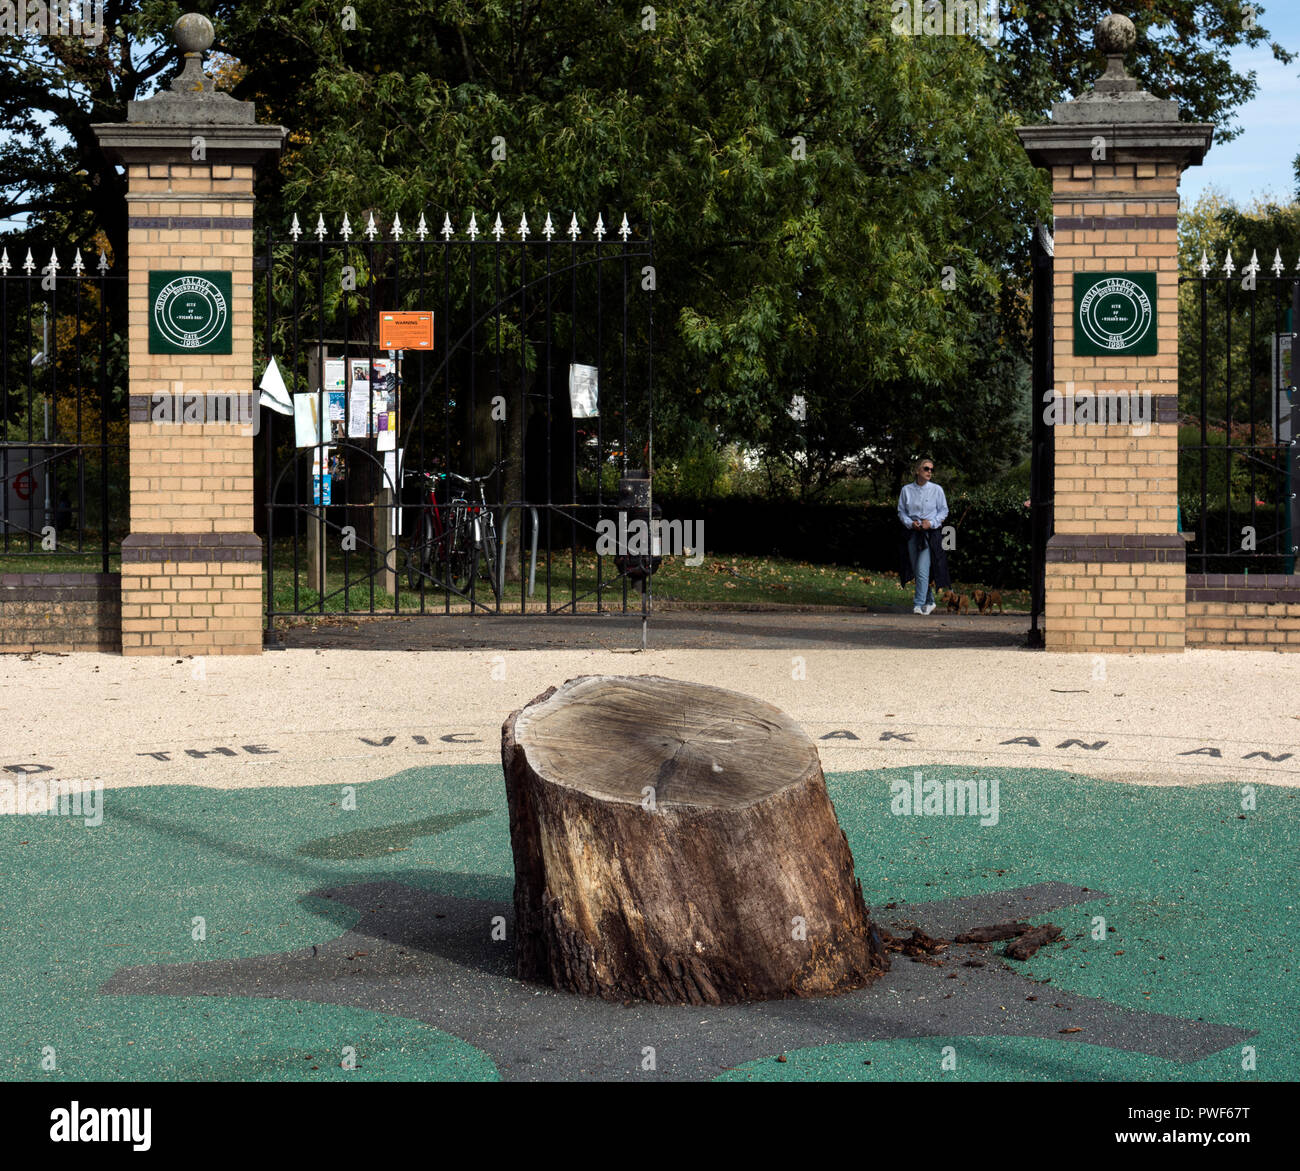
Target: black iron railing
518, 313
63, 408
1043, 439
1239, 418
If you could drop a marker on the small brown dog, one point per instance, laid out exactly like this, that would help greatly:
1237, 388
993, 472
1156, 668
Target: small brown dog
957, 603
987, 599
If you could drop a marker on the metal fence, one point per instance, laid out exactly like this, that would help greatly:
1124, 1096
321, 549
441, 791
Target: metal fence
63, 443
1042, 478
1239, 417
537, 382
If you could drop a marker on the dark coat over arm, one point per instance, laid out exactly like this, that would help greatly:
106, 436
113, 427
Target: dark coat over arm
938, 557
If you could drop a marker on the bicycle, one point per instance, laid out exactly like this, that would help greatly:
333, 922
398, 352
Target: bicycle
457, 541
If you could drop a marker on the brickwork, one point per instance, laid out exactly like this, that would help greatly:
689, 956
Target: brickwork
1115, 607
190, 479
1116, 479
1236, 612
192, 607
1116, 564
60, 612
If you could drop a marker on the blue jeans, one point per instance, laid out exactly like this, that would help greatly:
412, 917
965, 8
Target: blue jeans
918, 548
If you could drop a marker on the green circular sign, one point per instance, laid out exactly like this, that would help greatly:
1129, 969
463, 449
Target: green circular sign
190, 312
1115, 314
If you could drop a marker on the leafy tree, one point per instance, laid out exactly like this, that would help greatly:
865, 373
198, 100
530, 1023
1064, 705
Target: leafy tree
1182, 54
822, 274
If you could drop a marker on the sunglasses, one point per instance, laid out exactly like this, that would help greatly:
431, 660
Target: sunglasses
927, 469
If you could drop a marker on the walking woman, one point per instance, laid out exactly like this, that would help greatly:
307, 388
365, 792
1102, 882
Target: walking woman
922, 509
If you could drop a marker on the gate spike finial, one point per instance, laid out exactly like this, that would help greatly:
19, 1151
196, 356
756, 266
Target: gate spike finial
422, 229
4, 261
103, 261
1228, 266
574, 230
347, 227
446, 226
1253, 266
1277, 263
523, 226
78, 265
473, 227
1205, 264
54, 261
624, 230
397, 226
320, 226
371, 230
497, 230
29, 263
548, 229
295, 229
600, 226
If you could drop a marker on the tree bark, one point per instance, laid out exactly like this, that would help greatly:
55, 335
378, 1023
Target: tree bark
676, 843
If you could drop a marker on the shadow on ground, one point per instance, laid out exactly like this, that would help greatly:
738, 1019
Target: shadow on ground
667, 630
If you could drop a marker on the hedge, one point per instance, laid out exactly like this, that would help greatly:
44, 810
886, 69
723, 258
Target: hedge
992, 533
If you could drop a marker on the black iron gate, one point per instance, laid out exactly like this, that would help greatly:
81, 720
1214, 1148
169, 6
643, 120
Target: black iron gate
1043, 439
63, 409
1238, 459
474, 474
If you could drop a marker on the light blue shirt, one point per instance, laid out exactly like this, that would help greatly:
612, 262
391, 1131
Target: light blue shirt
922, 502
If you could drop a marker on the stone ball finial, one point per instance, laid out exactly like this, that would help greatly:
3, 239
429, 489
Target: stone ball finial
1115, 35
193, 33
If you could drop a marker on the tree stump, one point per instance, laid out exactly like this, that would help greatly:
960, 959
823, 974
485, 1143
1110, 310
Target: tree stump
676, 843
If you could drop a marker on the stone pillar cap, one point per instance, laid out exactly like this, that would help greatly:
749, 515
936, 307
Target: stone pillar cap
1136, 125
193, 96
161, 127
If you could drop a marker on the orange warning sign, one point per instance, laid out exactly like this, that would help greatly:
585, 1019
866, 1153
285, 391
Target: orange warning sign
406, 331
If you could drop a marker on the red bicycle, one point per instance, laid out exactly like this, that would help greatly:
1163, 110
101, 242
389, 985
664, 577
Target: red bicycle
454, 542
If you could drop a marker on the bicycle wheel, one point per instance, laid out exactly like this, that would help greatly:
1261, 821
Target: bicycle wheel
420, 556
462, 555
490, 556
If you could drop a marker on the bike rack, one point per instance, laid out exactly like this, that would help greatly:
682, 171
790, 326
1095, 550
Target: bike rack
501, 548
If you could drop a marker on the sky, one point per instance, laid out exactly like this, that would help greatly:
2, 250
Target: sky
1262, 158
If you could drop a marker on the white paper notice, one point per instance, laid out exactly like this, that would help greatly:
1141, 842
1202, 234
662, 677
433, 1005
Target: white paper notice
335, 374
583, 391
358, 410
306, 420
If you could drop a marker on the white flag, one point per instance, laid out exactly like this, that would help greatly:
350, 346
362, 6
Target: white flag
274, 393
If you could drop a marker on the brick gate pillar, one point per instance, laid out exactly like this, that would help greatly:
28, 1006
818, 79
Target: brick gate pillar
192, 564
1116, 565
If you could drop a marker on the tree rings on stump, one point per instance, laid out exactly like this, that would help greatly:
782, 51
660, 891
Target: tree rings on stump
675, 843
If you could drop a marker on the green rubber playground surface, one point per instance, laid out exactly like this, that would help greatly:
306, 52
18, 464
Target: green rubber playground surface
1200, 899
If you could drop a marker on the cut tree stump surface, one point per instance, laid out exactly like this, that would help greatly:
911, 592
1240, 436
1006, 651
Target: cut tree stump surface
675, 843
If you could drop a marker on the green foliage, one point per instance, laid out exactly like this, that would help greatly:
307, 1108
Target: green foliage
1182, 53
1228, 476
700, 470
778, 275
992, 532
